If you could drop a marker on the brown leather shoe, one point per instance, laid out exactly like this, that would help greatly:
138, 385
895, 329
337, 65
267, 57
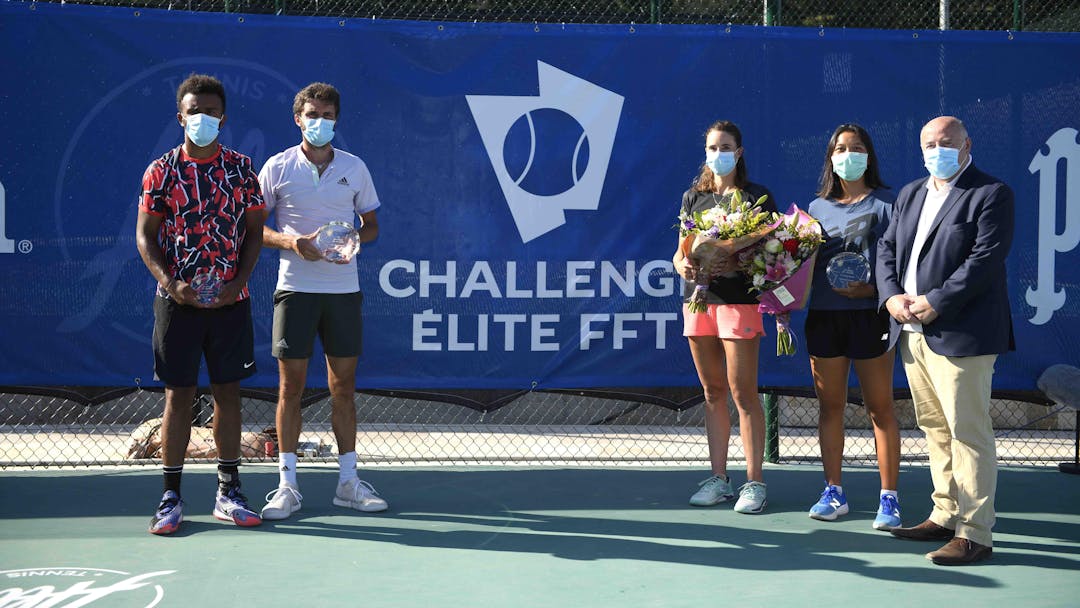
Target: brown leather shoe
927, 530
959, 551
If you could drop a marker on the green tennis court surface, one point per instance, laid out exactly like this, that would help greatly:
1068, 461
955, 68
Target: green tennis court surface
533, 537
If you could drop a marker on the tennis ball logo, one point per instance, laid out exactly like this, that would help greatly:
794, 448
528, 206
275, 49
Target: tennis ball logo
546, 152
549, 152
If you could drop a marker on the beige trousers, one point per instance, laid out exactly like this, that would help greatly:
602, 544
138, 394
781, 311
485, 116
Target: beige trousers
952, 406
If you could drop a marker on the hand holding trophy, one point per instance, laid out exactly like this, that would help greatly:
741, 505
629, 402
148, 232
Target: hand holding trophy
338, 242
207, 285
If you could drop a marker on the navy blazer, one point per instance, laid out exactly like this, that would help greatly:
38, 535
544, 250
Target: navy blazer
961, 267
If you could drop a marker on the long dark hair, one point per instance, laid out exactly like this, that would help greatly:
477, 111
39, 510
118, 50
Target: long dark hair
704, 181
829, 185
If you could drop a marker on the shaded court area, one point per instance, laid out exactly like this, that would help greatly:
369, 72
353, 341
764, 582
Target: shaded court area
523, 537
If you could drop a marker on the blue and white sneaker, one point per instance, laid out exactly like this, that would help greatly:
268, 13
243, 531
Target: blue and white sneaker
169, 514
232, 506
832, 504
888, 514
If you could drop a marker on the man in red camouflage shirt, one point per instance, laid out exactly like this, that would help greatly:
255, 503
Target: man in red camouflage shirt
201, 215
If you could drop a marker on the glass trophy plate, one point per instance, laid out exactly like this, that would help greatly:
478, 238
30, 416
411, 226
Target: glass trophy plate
207, 286
847, 267
337, 241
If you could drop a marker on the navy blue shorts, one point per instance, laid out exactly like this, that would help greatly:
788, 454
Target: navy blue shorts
184, 334
855, 334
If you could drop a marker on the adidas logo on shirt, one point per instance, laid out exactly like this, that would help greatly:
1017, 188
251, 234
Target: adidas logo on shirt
343, 182
282, 343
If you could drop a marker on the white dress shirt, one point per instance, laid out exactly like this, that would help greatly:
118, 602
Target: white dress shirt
935, 199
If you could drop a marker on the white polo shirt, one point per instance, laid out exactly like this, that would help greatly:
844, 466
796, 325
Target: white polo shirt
302, 201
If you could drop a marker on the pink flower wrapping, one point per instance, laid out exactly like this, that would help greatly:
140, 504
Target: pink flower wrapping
781, 269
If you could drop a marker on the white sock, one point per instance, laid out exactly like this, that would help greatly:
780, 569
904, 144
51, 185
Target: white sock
840, 489
347, 467
892, 493
286, 468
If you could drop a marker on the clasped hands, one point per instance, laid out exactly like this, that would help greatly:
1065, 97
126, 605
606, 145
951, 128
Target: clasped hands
911, 309
183, 293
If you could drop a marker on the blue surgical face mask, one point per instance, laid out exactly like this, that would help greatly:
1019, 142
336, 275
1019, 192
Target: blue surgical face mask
721, 163
850, 166
201, 129
942, 162
318, 131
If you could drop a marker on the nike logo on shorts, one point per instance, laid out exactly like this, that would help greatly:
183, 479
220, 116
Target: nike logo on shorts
247, 365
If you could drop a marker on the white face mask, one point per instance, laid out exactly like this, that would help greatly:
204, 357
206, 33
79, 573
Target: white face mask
318, 131
201, 129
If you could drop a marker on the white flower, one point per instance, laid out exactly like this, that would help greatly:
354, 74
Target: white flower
713, 216
774, 246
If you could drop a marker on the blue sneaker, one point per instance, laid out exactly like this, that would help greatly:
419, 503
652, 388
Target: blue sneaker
169, 514
831, 505
888, 514
232, 506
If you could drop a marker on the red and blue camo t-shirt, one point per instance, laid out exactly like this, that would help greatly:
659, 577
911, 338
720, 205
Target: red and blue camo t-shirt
203, 205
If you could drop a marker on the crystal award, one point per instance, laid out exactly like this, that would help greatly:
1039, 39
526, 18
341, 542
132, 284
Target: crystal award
845, 268
337, 241
207, 285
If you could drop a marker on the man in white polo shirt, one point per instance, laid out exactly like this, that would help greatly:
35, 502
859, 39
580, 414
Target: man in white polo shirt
305, 187
941, 276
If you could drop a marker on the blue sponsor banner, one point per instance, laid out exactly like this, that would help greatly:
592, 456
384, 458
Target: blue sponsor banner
530, 177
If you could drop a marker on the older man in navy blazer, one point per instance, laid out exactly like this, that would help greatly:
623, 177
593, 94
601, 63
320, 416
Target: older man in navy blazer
941, 276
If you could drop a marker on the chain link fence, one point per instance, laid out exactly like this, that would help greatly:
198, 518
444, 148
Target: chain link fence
59, 427
1015, 15
529, 427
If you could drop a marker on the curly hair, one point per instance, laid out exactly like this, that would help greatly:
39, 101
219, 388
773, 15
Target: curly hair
199, 84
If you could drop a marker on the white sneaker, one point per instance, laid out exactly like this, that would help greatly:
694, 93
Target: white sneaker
714, 490
751, 498
360, 495
282, 502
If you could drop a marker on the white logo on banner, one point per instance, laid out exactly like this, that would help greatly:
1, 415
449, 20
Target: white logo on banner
8, 245
596, 112
76, 586
1062, 146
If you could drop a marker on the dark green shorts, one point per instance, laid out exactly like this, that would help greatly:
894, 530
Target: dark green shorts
335, 317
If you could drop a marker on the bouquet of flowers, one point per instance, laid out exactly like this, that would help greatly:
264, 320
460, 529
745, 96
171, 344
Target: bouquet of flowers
781, 268
710, 236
